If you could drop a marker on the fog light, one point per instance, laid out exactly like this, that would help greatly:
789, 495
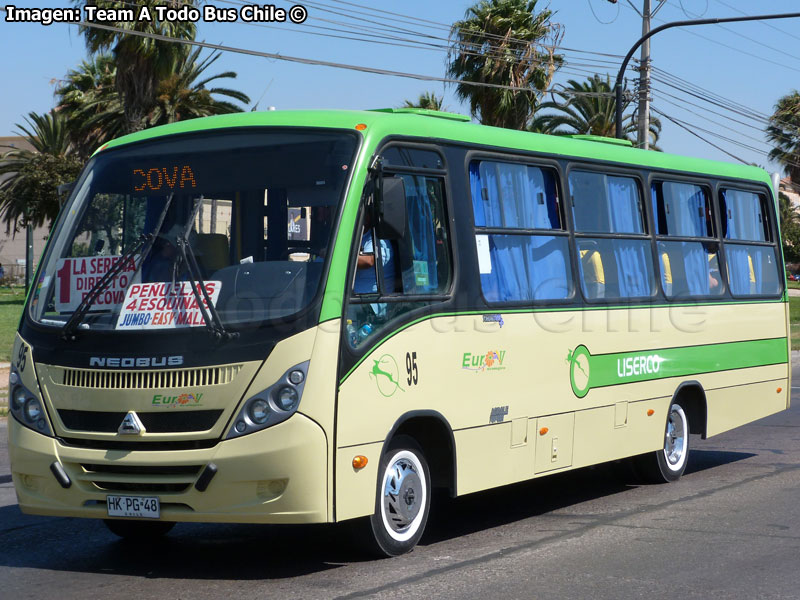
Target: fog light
296, 377
286, 398
33, 410
259, 411
241, 426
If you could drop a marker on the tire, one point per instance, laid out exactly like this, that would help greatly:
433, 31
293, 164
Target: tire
139, 531
668, 464
403, 499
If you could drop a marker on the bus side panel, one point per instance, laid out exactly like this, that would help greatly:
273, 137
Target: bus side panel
614, 432
735, 406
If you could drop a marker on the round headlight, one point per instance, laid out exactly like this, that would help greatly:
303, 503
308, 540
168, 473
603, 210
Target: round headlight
259, 411
33, 410
286, 398
18, 398
296, 377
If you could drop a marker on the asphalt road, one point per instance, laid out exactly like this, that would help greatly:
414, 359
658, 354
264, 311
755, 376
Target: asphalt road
730, 528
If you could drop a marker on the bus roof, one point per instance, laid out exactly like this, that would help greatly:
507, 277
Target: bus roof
425, 124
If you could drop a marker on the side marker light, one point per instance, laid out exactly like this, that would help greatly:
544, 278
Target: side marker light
361, 127
780, 390
543, 431
359, 462
651, 412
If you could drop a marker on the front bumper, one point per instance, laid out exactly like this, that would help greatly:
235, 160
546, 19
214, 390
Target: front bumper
277, 475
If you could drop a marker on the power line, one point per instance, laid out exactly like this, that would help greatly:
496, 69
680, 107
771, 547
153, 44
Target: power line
301, 60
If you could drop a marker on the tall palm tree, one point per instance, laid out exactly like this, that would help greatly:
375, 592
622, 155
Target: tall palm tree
96, 113
181, 96
504, 42
141, 62
783, 131
29, 179
589, 108
88, 91
426, 100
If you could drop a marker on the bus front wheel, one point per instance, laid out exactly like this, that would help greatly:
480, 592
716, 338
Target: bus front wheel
403, 498
138, 531
669, 463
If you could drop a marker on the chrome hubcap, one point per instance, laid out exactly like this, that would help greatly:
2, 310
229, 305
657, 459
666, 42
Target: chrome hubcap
674, 440
401, 495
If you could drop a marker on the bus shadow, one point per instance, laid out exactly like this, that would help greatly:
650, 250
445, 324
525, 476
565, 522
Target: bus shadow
455, 517
264, 552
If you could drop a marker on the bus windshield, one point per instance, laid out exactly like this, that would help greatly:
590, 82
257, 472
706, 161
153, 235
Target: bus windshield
236, 223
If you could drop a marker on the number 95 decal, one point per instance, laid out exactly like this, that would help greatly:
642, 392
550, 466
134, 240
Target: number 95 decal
411, 368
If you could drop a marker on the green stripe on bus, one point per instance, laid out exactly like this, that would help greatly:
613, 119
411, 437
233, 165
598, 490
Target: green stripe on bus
588, 371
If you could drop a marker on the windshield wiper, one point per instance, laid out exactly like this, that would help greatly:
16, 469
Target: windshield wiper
68, 333
210, 316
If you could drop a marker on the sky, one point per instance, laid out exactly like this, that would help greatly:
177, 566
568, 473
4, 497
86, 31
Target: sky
746, 66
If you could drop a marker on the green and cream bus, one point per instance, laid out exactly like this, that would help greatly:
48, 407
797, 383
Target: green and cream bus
324, 316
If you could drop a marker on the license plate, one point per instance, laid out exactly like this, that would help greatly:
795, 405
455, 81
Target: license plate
133, 506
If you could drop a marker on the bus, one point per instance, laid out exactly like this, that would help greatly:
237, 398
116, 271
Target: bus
329, 316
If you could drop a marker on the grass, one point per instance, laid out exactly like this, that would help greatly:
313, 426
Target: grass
793, 285
11, 300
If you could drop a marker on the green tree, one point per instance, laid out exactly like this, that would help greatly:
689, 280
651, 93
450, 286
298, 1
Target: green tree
504, 42
181, 96
783, 131
589, 108
141, 62
91, 104
29, 180
426, 100
790, 229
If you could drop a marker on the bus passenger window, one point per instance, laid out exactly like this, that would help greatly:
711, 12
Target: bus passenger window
751, 256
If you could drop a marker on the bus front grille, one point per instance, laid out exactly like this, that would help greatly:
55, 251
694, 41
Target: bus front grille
137, 380
154, 422
139, 479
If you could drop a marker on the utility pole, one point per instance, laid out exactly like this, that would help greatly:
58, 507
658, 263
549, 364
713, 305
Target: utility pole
644, 38
643, 138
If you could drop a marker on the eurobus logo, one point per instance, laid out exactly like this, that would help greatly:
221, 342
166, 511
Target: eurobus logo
186, 399
485, 361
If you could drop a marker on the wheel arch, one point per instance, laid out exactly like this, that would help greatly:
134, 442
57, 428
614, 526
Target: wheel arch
692, 397
435, 436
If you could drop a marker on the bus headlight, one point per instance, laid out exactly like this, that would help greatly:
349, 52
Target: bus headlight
273, 405
286, 398
32, 410
26, 407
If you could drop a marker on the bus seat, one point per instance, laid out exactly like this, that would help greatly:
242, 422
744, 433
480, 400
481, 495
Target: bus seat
594, 277
212, 251
666, 269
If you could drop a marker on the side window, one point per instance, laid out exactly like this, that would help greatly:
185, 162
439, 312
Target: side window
615, 258
752, 260
689, 267
523, 249
396, 276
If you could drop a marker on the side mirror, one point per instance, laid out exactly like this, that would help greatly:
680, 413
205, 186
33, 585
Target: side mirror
391, 208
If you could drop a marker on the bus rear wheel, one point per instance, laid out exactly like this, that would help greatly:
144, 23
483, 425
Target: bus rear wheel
139, 531
668, 463
403, 498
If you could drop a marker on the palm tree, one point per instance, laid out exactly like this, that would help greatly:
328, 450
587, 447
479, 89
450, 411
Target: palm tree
29, 179
141, 62
426, 100
88, 92
504, 42
95, 111
784, 133
589, 108
180, 96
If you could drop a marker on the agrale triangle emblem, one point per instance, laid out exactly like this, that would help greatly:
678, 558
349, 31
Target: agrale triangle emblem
131, 425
